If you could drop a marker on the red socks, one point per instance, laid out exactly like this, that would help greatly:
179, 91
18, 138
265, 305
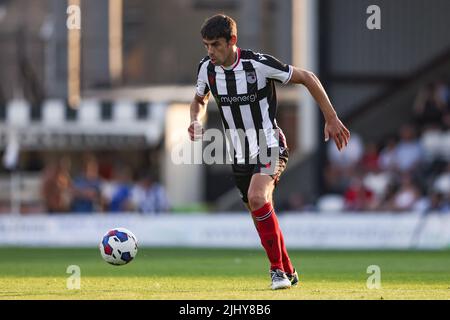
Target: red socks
272, 238
288, 268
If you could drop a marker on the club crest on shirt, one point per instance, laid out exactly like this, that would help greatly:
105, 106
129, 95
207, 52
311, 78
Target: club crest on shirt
251, 77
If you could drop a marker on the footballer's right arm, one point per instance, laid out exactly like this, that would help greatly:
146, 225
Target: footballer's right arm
198, 110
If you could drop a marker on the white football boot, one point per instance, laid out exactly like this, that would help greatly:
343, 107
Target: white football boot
279, 279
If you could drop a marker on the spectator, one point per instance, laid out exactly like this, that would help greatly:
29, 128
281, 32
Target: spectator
370, 158
55, 188
117, 194
357, 196
407, 195
105, 166
86, 189
386, 159
386, 202
442, 182
378, 182
431, 104
408, 152
438, 203
149, 196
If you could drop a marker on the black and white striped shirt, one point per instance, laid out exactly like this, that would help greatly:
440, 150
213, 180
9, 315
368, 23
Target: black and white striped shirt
246, 97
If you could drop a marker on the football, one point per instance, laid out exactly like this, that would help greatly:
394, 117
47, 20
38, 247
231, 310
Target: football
118, 246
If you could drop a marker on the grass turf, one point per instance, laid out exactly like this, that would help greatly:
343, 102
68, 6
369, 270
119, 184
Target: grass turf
178, 274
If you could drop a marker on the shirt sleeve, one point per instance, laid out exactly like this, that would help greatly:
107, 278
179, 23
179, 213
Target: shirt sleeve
273, 68
202, 88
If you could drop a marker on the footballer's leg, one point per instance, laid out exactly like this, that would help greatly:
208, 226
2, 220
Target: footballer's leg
259, 195
291, 272
243, 185
287, 265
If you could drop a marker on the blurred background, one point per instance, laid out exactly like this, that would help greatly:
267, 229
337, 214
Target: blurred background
94, 96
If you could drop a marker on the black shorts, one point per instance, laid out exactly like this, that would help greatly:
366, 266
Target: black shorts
243, 173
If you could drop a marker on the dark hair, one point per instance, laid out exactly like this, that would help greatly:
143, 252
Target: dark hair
219, 26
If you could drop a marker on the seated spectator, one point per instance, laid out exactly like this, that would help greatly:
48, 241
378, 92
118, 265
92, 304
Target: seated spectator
431, 104
358, 197
442, 182
439, 203
149, 196
407, 195
370, 158
433, 144
378, 182
386, 160
386, 202
86, 189
408, 152
117, 194
55, 188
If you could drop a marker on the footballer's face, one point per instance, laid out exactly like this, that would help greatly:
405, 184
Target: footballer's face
220, 51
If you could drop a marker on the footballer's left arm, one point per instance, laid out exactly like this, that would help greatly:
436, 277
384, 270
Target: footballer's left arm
333, 126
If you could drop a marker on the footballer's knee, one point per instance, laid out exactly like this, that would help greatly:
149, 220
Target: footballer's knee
256, 200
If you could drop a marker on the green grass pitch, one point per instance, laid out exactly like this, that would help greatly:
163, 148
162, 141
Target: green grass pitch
178, 274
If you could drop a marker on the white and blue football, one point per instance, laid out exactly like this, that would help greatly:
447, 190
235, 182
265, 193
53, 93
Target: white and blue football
118, 246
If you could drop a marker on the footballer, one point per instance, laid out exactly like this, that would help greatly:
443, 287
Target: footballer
242, 83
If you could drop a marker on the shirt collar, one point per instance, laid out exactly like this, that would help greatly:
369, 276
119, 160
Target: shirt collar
238, 58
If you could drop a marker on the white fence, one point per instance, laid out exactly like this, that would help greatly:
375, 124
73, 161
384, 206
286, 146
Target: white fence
231, 230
